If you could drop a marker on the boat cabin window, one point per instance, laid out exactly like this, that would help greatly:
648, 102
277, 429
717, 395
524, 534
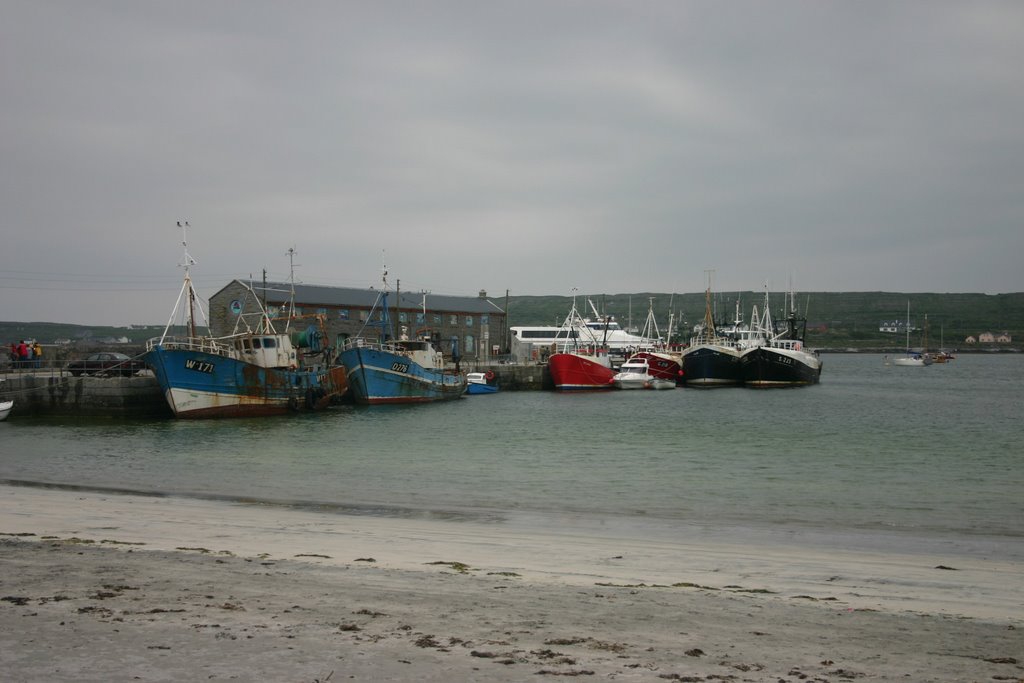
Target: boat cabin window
546, 334
255, 343
269, 342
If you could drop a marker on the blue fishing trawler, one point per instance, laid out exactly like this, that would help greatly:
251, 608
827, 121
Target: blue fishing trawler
398, 370
254, 371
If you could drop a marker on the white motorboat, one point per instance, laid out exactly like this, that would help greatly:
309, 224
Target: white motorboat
5, 409
635, 373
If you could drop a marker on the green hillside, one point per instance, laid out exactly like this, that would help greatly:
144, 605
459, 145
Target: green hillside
48, 333
837, 319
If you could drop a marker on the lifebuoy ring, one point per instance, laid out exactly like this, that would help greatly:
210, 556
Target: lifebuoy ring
488, 375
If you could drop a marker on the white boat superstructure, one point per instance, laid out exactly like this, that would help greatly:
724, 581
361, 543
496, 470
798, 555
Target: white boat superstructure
535, 342
615, 338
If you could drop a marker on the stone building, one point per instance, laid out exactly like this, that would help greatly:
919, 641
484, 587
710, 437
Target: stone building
477, 322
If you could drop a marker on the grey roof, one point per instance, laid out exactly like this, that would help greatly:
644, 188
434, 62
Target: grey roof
322, 295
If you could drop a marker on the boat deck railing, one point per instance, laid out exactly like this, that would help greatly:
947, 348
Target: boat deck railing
712, 339
791, 344
203, 344
388, 346
398, 346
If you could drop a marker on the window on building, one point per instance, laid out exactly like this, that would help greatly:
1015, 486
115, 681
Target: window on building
469, 321
470, 348
321, 311
437, 318
403, 317
485, 320
363, 315
420, 319
454, 320
343, 314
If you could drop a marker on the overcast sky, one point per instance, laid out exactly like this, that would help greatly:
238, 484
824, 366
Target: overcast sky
534, 146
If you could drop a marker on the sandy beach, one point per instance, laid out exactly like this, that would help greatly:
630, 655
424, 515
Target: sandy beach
110, 587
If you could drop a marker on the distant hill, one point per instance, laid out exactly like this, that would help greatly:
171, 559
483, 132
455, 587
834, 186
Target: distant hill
837, 319
50, 333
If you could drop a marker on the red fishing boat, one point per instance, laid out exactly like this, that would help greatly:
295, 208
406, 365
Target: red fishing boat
580, 371
580, 362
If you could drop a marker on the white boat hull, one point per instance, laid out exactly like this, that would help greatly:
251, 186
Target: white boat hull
910, 362
638, 381
198, 403
631, 382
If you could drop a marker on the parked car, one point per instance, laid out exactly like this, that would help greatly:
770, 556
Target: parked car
106, 363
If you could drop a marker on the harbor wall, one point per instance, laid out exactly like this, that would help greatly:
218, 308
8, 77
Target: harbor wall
60, 394
518, 377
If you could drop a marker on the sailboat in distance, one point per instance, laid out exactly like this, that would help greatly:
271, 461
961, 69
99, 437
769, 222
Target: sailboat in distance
912, 360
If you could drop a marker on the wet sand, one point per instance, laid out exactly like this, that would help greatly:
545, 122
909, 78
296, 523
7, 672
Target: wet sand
101, 587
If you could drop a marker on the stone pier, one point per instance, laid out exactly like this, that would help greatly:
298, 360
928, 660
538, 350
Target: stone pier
60, 394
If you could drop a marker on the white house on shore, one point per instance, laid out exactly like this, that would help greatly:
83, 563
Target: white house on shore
989, 338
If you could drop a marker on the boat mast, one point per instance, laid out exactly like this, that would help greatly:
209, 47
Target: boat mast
187, 262
385, 323
187, 290
709, 319
651, 335
291, 279
908, 327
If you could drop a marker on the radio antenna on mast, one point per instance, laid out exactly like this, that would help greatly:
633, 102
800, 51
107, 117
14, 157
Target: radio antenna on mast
291, 279
187, 262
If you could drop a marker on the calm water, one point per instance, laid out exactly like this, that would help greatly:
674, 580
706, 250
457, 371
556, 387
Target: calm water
896, 455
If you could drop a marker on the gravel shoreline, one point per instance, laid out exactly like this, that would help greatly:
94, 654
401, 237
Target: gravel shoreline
79, 611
